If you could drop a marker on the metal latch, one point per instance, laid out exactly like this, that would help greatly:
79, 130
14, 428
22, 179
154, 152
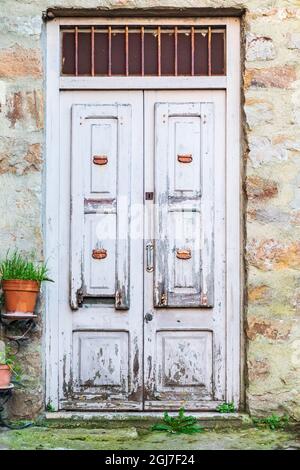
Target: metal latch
163, 300
149, 257
99, 253
100, 160
149, 196
183, 254
187, 158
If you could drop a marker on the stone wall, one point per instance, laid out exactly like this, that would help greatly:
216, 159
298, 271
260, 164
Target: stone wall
271, 181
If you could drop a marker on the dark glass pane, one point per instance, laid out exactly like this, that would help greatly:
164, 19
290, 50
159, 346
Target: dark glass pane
184, 63
217, 54
201, 54
101, 53
84, 54
118, 61
68, 54
150, 47
135, 54
167, 53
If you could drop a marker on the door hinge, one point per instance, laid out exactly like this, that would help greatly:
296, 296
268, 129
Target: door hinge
80, 297
164, 299
203, 299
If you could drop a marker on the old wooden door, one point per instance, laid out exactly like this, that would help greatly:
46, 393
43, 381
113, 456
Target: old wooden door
142, 288
101, 267
185, 314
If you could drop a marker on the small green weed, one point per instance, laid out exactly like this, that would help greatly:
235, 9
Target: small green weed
50, 408
226, 408
273, 422
179, 424
9, 359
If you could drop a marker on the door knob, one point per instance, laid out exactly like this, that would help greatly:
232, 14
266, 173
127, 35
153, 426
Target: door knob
148, 317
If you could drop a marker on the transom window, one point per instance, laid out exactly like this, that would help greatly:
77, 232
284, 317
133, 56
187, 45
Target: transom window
143, 50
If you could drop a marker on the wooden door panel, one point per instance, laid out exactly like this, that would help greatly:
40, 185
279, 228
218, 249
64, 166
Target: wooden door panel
101, 341
101, 162
185, 336
99, 254
184, 365
184, 196
104, 157
185, 155
101, 363
183, 256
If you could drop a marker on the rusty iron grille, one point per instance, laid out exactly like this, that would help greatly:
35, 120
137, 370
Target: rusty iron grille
143, 51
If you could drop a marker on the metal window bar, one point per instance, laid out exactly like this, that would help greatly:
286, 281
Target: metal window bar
126, 52
143, 50
176, 51
93, 51
159, 51
109, 51
209, 51
76, 51
159, 32
192, 51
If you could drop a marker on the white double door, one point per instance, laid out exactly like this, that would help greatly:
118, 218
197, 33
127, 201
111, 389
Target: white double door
142, 321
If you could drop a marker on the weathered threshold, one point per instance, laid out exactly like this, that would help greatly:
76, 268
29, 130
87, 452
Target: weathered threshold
208, 419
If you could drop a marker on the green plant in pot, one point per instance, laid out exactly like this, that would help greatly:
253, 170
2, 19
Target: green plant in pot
21, 281
8, 367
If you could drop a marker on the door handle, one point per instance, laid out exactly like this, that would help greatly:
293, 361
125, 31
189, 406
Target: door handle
149, 257
148, 317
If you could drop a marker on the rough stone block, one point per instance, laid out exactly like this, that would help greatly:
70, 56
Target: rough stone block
258, 293
271, 254
258, 369
259, 48
20, 62
18, 157
262, 151
260, 189
274, 330
258, 112
25, 108
293, 40
273, 77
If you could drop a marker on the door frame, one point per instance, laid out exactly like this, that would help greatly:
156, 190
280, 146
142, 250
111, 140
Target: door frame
234, 219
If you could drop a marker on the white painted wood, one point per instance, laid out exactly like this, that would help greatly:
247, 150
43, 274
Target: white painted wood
104, 140
100, 211
101, 363
204, 21
143, 83
184, 195
99, 276
184, 365
200, 332
126, 159
97, 329
51, 214
234, 257
60, 321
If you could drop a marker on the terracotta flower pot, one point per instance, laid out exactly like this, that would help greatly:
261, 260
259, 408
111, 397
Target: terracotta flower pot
5, 376
20, 296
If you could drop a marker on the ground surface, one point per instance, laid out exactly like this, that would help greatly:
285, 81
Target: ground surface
138, 436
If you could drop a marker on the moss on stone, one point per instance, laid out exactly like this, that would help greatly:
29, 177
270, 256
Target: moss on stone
126, 436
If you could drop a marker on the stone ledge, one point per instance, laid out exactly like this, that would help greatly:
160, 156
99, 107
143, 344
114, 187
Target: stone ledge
208, 419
